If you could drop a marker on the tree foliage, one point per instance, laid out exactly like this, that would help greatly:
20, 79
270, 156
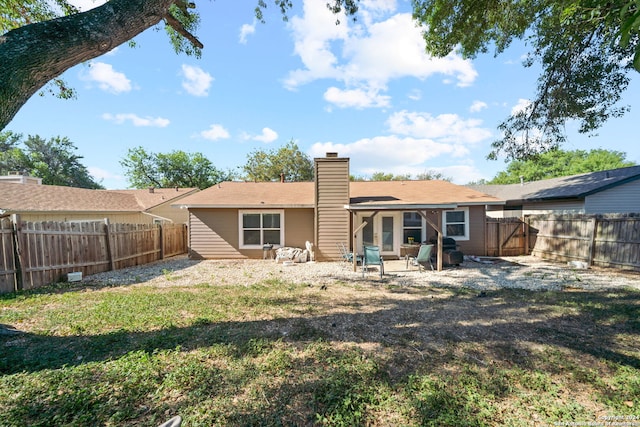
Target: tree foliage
559, 163
586, 50
52, 160
424, 176
166, 170
286, 162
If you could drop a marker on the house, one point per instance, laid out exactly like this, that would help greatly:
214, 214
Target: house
37, 202
604, 192
235, 219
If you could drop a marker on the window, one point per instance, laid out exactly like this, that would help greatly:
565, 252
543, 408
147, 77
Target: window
456, 223
411, 227
260, 228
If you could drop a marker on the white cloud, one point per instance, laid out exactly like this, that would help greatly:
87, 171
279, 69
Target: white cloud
522, 105
196, 81
383, 152
368, 54
246, 30
477, 106
100, 174
267, 135
415, 95
445, 127
136, 120
215, 132
357, 98
107, 78
85, 5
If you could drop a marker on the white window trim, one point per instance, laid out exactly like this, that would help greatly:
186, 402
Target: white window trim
265, 211
466, 223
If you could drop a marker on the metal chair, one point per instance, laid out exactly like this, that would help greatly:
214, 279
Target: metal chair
346, 255
424, 257
372, 257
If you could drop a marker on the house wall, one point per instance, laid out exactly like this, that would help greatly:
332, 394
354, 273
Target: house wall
556, 206
332, 195
177, 215
124, 218
214, 233
477, 234
624, 198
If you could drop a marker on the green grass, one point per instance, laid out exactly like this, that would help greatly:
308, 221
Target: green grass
280, 353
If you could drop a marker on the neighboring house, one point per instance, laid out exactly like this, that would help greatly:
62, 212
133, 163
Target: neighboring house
235, 219
604, 192
36, 202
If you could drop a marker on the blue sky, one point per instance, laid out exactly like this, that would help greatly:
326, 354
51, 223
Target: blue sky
365, 90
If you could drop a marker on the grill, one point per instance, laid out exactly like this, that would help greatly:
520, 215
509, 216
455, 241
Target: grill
450, 253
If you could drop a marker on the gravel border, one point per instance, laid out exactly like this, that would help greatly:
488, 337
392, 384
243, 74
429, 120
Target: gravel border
524, 272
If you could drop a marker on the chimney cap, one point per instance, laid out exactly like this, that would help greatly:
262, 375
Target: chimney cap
332, 154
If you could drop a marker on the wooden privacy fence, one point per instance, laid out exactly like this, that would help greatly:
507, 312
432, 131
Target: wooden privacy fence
35, 254
601, 240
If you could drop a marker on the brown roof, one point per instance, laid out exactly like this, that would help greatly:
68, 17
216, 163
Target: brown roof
363, 193
233, 194
430, 193
148, 199
47, 198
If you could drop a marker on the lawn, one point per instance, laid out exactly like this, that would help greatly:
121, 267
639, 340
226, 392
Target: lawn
280, 353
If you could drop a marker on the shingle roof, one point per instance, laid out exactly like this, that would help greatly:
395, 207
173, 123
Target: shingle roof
235, 194
41, 198
430, 192
148, 199
568, 187
363, 193
53, 198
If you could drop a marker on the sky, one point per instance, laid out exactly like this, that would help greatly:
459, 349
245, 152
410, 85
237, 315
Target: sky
364, 89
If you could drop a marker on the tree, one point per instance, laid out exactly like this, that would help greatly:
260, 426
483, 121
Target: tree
424, 176
51, 160
586, 49
287, 163
174, 169
559, 163
44, 38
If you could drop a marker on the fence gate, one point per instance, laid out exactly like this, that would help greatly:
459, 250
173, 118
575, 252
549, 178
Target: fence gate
506, 237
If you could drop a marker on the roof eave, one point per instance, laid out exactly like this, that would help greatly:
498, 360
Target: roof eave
261, 206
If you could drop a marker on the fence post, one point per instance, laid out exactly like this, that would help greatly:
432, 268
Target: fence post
162, 236
527, 234
592, 242
107, 235
17, 251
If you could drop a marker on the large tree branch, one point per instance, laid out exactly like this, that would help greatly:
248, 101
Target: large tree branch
34, 54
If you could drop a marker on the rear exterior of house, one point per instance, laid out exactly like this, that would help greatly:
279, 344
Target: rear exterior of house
234, 220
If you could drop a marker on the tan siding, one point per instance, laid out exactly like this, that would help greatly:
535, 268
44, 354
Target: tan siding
125, 218
298, 229
214, 234
332, 194
475, 245
177, 215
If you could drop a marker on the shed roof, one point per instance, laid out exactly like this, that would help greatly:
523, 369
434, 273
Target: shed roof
567, 187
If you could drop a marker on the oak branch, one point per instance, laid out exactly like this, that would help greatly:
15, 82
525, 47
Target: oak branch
32, 55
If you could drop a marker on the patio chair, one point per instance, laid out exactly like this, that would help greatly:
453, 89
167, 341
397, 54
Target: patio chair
372, 257
424, 257
346, 255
